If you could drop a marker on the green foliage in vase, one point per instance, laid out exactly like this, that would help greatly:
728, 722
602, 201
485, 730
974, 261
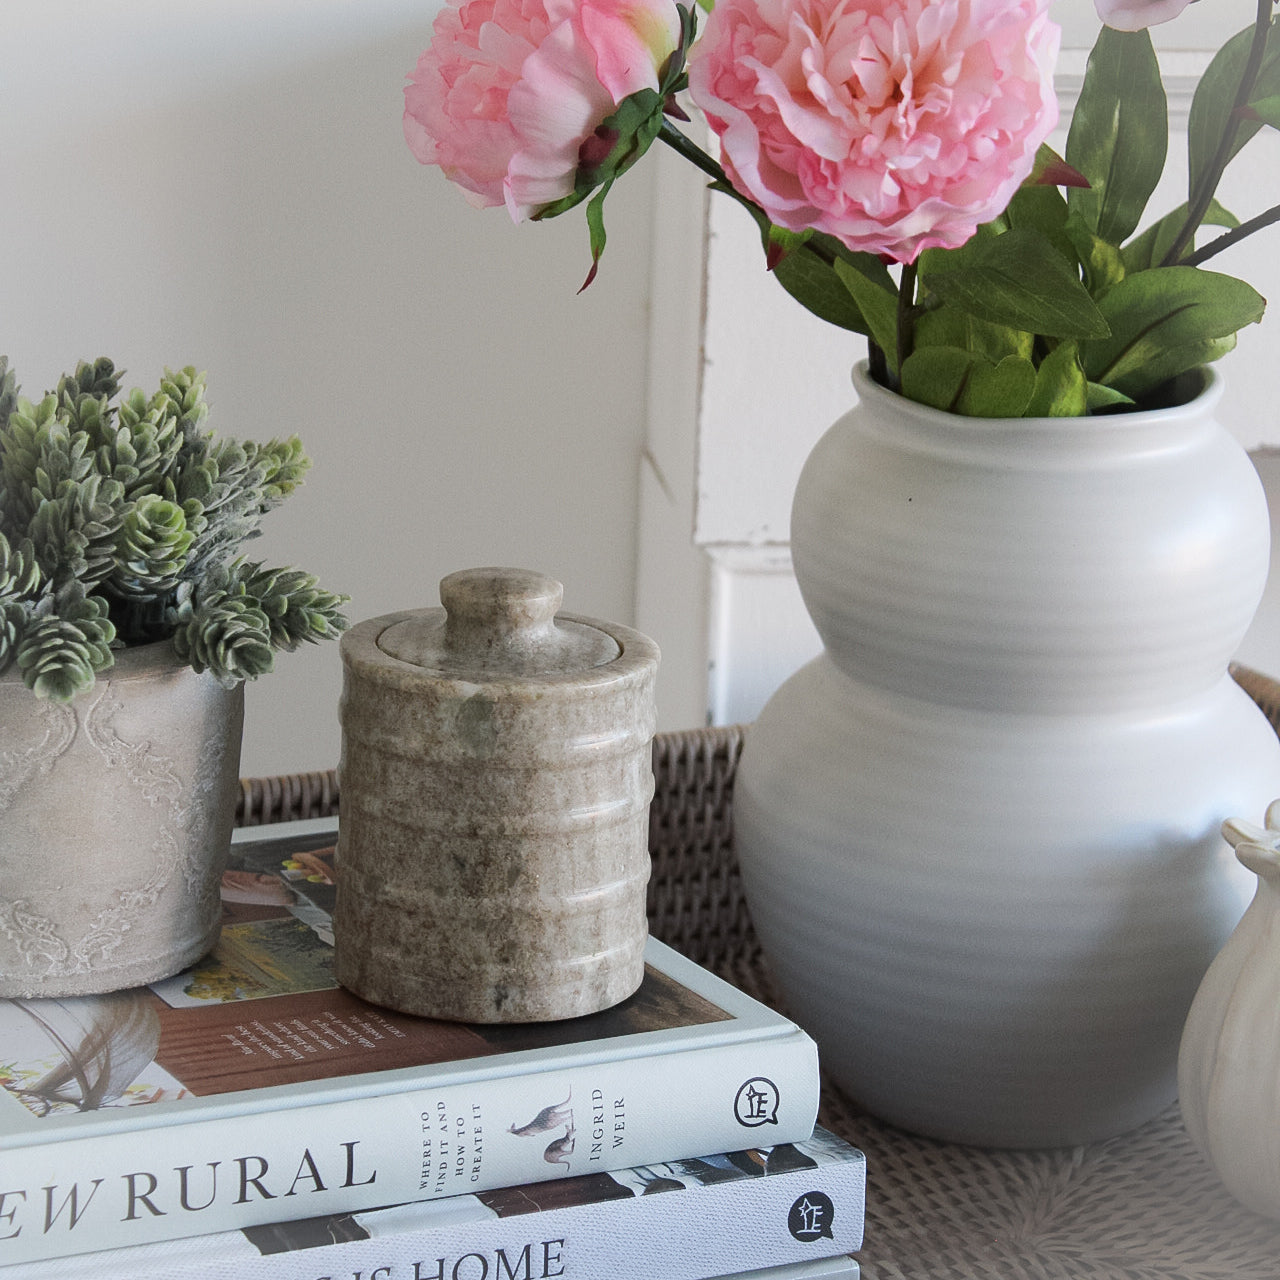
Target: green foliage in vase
122, 520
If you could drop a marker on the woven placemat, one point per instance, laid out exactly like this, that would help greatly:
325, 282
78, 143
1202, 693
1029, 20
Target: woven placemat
1143, 1206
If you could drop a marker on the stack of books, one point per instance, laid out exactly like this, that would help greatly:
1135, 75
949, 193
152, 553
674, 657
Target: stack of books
249, 1118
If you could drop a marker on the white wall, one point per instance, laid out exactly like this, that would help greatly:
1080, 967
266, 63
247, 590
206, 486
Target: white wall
774, 378
224, 183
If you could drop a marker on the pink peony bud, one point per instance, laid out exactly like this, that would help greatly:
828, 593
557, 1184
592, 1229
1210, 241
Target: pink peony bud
893, 125
510, 90
1135, 15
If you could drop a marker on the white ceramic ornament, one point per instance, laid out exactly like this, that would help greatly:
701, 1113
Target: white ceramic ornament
1229, 1062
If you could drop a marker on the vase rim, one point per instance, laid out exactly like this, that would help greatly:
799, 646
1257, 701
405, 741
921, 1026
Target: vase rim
1122, 426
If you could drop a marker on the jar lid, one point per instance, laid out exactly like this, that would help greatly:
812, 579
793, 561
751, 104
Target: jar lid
498, 622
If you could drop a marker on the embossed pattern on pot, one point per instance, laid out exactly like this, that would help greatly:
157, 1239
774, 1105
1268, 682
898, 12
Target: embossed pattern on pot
116, 813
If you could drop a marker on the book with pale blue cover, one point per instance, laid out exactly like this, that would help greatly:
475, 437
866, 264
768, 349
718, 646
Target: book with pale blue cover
251, 1089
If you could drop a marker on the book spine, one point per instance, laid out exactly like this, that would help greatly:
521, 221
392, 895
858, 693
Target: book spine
689, 1233
219, 1171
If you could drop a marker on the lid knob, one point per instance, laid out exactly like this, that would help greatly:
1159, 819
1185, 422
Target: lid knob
499, 613
497, 623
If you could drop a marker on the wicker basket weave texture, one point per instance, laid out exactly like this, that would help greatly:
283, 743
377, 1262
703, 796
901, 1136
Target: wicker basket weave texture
1143, 1206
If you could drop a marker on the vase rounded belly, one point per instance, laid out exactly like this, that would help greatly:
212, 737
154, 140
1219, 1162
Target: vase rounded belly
979, 834
116, 812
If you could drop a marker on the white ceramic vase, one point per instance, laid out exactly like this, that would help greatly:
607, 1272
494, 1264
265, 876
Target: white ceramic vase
979, 834
116, 813
1229, 1060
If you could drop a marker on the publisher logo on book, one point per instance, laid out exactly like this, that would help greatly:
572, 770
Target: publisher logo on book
811, 1217
757, 1103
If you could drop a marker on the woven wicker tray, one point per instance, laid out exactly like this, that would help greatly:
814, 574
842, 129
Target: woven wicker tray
1144, 1206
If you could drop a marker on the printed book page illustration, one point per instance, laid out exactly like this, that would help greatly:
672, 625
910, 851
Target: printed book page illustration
264, 1009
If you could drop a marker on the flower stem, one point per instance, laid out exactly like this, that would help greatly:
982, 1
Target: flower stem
1203, 195
906, 317
690, 150
1234, 236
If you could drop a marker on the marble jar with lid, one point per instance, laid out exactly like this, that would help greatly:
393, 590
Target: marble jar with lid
496, 776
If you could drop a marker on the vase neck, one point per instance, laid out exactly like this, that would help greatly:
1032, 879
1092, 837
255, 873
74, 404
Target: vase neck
1037, 442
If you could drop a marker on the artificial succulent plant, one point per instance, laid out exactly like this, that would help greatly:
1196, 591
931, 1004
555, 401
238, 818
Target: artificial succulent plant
121, 523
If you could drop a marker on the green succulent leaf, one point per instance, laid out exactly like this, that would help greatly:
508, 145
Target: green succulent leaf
60, 654
1166, 321
121, 522
20, 576
298, 608
13, 621
219, 628
8, 392
1016, 279
1119, 134
151, 549
74, 533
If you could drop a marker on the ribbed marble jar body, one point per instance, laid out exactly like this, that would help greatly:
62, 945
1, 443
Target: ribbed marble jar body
979, 834
116, 812
493, 851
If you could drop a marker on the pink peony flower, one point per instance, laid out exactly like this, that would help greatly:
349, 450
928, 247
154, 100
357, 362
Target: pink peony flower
509, 90
893, 125
1134, 15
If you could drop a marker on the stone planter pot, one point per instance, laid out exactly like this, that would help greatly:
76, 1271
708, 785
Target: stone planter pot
496, 777
979, 834
116, 813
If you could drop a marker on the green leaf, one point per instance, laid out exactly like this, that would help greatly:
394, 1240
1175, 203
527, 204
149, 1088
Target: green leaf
618, 142
950, 327
999, 391
1267, 110
1214, 101
595, 228
1148, 249
877, 303
1100, 398
1050, 169
1119, 134
1042, 209
937, 376
1061, 389
966, 383
806, 270
1166, 321
1102, 262
1017, 279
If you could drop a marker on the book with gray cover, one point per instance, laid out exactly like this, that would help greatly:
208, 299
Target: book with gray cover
682, 1219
